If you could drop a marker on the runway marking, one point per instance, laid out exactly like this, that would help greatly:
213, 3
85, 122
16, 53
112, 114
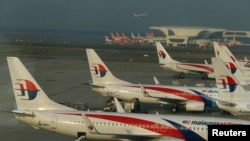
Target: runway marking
9, 50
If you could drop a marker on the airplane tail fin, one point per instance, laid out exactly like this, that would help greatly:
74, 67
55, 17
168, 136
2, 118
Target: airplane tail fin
229, 60
220, 50
28, 94
132, 35
228, 86
100, 73
163, 55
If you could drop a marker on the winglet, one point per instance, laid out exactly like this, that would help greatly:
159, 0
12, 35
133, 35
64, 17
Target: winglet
205, 61
144, 91
90, 126
156, 81
119, 108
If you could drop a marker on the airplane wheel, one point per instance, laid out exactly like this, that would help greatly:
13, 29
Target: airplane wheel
177, 76
204, 76
174, 109
180, 76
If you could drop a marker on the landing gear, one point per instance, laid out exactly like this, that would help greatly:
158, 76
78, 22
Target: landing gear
204, 76
180, 76
81, 136
175, 108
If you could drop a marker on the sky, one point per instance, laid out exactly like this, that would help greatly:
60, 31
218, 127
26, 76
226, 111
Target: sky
117, 15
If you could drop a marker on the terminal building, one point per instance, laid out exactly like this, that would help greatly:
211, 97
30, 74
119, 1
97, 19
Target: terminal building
179, 36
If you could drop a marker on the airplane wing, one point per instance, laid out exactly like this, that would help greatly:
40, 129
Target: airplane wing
126, 132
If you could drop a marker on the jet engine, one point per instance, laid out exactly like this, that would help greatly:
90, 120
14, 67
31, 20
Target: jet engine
195, 106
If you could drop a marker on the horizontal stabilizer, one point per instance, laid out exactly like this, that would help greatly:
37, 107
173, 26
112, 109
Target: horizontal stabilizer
97, 85
226, 103
24, 113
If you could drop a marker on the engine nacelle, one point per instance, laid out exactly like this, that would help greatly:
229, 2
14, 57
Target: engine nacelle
195, 106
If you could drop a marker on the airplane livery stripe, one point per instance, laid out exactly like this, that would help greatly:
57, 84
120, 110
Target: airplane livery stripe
184, 94
200, 66
145, 124
188, 134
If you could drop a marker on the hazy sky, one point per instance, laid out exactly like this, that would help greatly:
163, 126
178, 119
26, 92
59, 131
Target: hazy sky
117, 15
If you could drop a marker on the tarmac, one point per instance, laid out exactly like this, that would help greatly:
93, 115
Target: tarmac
63, 73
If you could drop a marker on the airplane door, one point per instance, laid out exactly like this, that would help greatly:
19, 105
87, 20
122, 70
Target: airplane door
53, 122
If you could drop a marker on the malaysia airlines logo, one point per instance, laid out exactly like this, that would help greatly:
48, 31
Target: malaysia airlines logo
99, 70
27, 88
228, 81
232, 68
161, 54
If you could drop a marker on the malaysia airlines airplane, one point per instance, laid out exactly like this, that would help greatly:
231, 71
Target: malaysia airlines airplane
108, 41
232, 96
104, 82
241, 72
168, 63
36, 109
136, 39
222, 48
117, 39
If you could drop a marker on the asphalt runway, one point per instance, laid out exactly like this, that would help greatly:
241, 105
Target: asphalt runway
63, 73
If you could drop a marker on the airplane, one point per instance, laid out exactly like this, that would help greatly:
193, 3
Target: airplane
108, 41
229, 43
117, 39
105, 83
36, 109
140, 14
232, 96
201, 43
241, 72
222, 50
136, 39
167, 62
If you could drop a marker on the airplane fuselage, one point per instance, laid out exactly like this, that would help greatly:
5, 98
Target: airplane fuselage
240, 107
190, 68
113, 126
69, 123
158, 94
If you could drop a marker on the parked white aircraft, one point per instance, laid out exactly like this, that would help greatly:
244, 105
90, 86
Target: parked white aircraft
232, 96
104, 82
36, 109
166, 61
221, 49
241, 72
